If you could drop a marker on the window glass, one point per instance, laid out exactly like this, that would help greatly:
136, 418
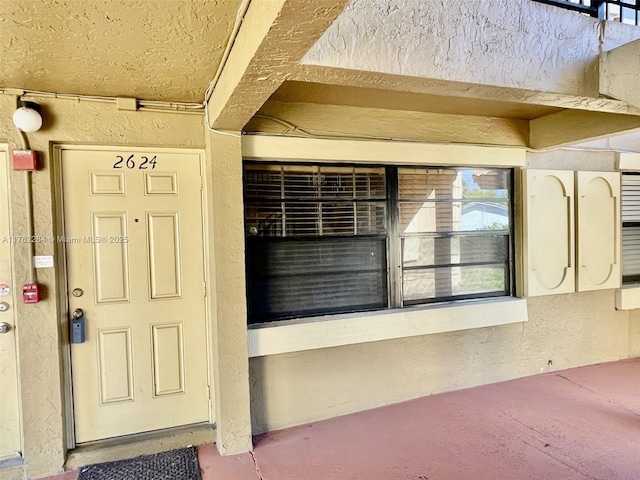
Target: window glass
630, 200
421, 286
319, 237
625, 11
454, 226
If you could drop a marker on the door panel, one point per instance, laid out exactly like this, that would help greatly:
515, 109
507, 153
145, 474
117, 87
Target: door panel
168, 359
134, 247
163, 235
110, 260
9, 406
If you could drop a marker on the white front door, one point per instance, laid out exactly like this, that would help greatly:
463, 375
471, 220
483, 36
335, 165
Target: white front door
9, 406
135, 268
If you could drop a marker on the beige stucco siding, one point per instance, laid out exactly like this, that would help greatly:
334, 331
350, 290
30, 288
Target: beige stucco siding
227, 298
569, 330
39, 332
634, 333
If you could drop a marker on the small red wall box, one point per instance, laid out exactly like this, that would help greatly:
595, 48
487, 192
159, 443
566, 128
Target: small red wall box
24, 160
31, 293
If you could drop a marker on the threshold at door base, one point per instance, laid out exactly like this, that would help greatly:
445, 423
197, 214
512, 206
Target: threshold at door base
148, 443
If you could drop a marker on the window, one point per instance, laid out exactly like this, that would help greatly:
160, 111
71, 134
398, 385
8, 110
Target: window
630, 228
624, 11
326, 239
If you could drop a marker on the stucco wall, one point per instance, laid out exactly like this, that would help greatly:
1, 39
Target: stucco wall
634, 333
615, 34
568, 330
38, 326
507, 43
227, 299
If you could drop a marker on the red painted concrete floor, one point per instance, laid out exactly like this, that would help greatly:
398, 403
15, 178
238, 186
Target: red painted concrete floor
582, 423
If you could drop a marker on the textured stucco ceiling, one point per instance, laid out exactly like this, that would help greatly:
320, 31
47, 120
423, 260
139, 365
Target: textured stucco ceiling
148, 49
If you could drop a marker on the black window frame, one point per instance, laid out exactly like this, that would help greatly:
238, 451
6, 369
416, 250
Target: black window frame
635, 277
394, 267
602, 9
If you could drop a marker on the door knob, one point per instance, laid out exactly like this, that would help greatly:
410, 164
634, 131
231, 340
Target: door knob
4, 327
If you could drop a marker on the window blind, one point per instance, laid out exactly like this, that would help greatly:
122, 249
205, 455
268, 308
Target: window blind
290, 278
630, 227
316, 240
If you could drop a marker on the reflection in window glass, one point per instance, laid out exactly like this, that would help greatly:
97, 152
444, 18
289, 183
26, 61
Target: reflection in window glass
455, 232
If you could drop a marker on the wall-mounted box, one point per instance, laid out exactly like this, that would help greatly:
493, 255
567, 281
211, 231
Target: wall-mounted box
24, 159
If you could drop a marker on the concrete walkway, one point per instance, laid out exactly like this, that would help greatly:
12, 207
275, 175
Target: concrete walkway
582, 423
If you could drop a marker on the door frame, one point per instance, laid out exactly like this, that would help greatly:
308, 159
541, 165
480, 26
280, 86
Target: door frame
5, 175
57, 150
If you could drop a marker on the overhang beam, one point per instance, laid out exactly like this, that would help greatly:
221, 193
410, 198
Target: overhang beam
571, 126
619, 73
274, 36
343, 121
446, 88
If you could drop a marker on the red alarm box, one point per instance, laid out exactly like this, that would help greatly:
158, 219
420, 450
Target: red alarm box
31, 293
24, 160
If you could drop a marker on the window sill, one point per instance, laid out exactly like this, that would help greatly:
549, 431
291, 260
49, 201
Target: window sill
628, 297
335, 330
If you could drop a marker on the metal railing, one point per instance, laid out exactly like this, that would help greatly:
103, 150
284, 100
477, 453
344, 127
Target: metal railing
624, 11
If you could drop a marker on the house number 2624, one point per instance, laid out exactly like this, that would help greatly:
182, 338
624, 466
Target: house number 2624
141, 163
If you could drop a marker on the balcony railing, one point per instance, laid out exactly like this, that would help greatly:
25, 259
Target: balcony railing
624, 11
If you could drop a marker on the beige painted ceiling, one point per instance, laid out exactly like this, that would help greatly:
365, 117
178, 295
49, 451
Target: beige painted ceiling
148, 49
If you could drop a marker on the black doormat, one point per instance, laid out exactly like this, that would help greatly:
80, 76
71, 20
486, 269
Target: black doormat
174, 465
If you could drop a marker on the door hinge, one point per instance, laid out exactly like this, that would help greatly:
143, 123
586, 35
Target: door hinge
204, 287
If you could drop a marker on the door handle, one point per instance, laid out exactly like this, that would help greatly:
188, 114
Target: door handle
4, 327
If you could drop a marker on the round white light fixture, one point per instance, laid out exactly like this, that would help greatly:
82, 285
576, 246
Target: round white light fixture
27, 118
